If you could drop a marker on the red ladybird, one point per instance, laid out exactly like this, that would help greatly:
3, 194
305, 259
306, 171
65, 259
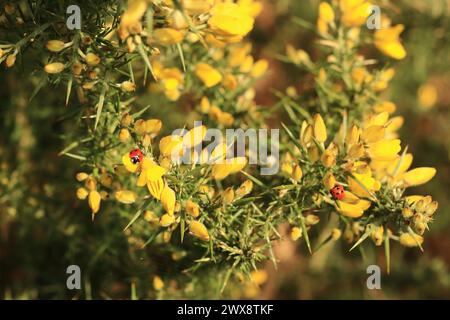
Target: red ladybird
337, 192
136, 156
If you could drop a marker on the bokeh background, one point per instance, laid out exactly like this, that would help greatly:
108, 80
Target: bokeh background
43, 228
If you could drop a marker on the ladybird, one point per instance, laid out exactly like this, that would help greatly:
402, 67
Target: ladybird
337, 192
136, 156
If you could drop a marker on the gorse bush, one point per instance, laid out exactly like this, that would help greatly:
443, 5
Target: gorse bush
137, 70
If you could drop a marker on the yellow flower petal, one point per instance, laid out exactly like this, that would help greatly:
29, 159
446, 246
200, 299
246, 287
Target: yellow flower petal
130, 166
155, 188
168, 199
385, 149
418, 176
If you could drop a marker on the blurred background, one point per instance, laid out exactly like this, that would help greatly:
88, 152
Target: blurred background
44, 228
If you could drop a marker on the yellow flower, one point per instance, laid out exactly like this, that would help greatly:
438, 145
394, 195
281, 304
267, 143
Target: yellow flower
158, 283
125, 196
168, 200
418, 176
94, 201
353, 210
166, 220
409, 240
388, 42
198, 229
230, 20
354, 12
207, 74
54, 68
192, 208
225, 168
296, 233
167, 36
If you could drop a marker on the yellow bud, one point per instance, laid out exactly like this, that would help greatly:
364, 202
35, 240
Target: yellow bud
82, 193
140, 127
296, 233
319, 128
81, 176
158, 283
311, 219
92, 59
54, 68
328, 159
94, 201
352, 136
150, 216
192, 208
297, 173
373, 134
205, 106
259, 68
407, 213
329, 181
244, 189
166, 220
125, 196
377, 235
124, 135
11, 60
207, 74
91, 183
126, 120
431, 208
128, 86
228, 195
410, 240
55, 45
153, 126
198, 229
167, 36
336, 234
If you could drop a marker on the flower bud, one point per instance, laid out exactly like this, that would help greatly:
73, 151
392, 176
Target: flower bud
198, 229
